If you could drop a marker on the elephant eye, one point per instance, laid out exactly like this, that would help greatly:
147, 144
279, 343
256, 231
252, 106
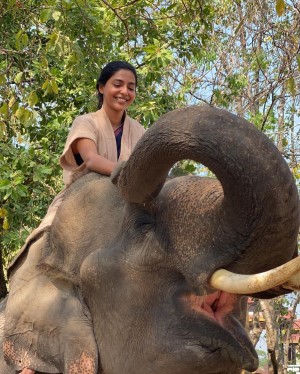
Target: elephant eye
137, 219
144, 222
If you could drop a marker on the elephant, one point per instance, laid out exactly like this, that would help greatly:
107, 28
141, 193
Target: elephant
127, 278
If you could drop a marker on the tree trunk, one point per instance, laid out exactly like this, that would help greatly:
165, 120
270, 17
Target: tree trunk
256, 328
287, 337
267, 307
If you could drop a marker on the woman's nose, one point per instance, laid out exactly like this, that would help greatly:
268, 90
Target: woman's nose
124, 90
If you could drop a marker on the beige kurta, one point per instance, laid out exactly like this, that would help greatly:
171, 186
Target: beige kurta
97, 127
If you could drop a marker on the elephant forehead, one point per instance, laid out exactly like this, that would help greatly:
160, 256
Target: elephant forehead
190, 195
188, 213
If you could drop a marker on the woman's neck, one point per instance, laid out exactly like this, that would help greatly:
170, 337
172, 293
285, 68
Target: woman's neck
114, 117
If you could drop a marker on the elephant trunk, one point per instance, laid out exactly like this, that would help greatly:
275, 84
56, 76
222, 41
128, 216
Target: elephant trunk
260, 205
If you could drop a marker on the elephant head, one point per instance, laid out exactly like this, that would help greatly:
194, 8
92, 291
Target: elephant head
152, 290
136, 271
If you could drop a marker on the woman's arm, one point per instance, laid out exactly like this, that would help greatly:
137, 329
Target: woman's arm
88, 152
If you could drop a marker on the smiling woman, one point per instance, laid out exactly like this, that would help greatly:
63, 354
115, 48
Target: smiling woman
98, 140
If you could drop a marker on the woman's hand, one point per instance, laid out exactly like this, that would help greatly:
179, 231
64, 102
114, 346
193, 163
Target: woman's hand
27, 371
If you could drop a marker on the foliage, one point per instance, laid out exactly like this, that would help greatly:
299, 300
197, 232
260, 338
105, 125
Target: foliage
263, 357
51, 53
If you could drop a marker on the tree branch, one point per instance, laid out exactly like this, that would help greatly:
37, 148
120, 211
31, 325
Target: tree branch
118, 16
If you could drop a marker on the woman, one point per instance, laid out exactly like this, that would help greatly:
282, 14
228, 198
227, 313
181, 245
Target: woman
98, 140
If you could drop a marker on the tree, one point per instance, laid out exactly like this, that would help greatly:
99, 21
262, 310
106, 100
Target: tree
48, 70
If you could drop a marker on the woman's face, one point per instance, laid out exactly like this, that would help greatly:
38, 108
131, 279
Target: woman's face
119, 91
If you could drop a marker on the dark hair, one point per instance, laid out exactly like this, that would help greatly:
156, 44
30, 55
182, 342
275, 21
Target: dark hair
107, 72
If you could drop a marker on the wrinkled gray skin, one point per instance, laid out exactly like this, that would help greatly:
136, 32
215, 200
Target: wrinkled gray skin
115, 282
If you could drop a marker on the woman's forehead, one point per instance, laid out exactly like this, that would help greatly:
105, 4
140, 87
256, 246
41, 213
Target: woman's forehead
124, 75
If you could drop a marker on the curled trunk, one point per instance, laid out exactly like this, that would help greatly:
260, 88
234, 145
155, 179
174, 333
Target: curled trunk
260, 206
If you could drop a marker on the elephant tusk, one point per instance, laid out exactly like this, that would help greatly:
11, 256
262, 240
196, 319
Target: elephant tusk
286, 275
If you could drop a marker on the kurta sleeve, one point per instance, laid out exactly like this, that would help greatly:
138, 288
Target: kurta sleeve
82, 127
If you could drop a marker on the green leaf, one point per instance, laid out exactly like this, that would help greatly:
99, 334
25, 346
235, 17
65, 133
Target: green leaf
3, 212
8, 193
18, 77
14, 108
20, 112
32, 99
56, 15
17, 40
24, 40
11, 101
26, 117
2, 80
53, 39
46, 87
5, 224
4, 110
280, 7
190, 168
45, 14
45, 84
45, 170
291, 86
2, 130
18, 34
21, 40
20, 190
4, 183
31, 153
54, 86
18, 179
